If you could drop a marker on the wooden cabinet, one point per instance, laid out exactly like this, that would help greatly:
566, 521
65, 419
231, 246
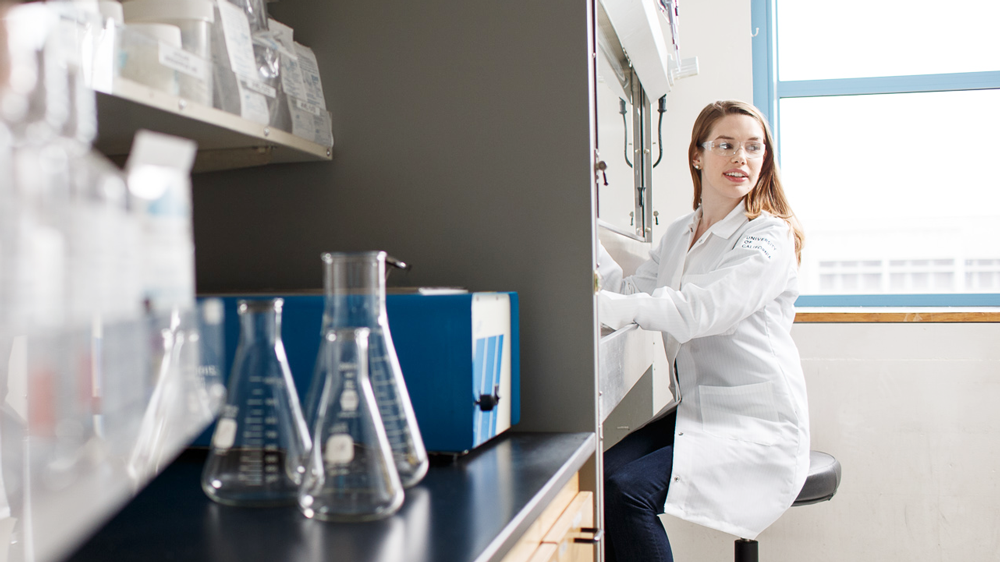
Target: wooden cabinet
553, 537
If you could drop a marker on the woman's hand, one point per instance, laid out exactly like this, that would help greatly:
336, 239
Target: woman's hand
609, 271
614, 310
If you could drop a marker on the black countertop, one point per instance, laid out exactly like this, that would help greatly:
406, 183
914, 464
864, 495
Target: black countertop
470, 509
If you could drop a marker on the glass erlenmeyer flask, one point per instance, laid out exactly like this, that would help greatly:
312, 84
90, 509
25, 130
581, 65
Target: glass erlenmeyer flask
354, 284
350, 474
261, 436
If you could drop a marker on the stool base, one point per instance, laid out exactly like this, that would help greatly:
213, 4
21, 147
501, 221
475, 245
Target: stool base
746, 551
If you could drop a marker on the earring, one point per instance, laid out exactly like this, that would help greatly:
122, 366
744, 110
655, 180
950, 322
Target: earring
696, 167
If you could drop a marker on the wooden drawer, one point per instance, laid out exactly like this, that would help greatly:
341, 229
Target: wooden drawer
525, 548
568, 552
546, 552
558, 531
578, 515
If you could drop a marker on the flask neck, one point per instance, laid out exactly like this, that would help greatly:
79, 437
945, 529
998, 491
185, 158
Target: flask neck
260, 324
354, 285
354, 311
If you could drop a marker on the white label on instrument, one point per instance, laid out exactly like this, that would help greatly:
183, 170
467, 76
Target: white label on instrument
339, 449
225, 434
349, 400
183, 61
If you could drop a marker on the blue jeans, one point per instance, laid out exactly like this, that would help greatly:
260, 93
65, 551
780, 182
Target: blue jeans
636, 477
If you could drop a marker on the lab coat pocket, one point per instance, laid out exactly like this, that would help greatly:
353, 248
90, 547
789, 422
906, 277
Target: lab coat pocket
746, 412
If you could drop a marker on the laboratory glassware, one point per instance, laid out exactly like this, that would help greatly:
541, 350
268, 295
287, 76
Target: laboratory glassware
260, 439
354, 286
211, 328
350, 474
179, 407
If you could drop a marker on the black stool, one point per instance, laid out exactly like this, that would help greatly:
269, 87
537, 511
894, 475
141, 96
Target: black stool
821, 485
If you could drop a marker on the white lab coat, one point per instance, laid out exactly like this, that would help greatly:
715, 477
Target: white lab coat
741, 443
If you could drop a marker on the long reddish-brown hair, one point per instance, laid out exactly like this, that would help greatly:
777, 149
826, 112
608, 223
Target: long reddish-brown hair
767, 195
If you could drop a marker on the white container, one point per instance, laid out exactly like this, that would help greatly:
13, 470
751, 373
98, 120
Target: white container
139, 55
194, 18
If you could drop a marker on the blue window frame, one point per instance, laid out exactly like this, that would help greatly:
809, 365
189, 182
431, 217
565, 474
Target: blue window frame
770, 91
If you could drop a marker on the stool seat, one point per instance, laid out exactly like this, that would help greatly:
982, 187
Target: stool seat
821, 484
822, 481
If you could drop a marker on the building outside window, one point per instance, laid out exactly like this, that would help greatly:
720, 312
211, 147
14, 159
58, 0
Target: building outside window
887, 117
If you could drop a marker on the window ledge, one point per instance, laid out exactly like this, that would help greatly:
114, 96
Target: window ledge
886, 314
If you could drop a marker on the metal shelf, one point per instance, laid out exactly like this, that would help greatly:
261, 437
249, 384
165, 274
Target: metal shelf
225, 141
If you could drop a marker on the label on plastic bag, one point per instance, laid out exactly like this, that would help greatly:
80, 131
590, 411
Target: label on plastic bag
307, 107
324, 129
302, 122
239, 42
291, 77
259, 87
310, 76
253, 106
310, 122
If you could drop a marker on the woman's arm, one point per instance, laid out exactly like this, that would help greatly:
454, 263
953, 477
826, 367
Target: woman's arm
754, 272
642, 281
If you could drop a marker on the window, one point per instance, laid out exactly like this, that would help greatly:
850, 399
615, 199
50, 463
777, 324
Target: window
885, 113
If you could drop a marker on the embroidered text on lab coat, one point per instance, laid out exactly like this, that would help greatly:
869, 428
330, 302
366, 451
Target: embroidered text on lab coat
765, 246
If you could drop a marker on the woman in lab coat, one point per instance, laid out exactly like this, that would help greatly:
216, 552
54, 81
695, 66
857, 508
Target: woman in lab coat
721, 286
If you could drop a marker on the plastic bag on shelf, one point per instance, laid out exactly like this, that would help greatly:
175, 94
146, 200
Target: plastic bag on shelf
245, 62
300, 92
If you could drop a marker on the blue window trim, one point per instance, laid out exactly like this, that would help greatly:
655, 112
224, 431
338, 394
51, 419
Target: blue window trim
889, 85
768, 90
764, 46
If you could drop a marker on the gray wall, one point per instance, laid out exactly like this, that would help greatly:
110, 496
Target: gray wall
463, 146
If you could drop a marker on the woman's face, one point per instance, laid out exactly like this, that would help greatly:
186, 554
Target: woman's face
726, 179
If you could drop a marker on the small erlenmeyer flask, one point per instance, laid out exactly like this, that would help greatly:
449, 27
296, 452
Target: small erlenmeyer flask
350, 474
261, 436
354, 285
